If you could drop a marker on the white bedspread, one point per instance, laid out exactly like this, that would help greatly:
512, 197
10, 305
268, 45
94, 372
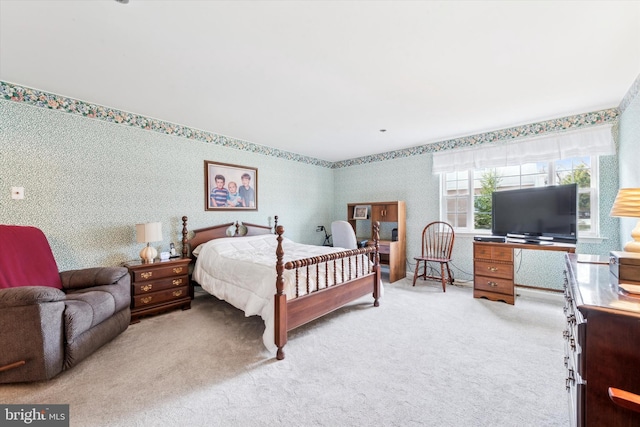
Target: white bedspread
242, 271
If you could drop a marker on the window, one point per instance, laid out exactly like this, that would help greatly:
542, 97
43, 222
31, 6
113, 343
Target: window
466, 196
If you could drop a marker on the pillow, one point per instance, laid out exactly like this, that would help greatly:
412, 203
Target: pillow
241, 230
26, 258
197, 250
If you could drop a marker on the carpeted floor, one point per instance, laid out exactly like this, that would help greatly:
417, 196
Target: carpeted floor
423, 357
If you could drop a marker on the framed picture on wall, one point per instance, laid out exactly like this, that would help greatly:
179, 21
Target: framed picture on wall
230, 187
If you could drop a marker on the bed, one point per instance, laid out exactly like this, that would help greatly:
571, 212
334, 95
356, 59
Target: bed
286, 283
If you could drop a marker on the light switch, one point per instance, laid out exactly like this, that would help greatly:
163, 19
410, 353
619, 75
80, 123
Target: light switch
17, 193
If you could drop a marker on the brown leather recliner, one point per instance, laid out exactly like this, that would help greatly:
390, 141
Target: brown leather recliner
50, 320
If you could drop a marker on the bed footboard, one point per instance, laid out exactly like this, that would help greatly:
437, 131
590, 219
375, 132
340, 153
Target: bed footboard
358, 277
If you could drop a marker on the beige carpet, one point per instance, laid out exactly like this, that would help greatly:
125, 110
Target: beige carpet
422, 358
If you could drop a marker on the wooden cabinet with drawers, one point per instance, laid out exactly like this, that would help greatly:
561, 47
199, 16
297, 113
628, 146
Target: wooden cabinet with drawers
159, 286
493, 275
386, 212
602, 346
493, 272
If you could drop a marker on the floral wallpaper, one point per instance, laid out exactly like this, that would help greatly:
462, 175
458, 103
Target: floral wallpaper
87, 182
632, 94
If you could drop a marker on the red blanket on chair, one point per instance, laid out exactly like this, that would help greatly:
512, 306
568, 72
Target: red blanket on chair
26, 258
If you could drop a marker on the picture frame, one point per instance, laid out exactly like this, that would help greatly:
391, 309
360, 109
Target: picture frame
360, 212
221, 179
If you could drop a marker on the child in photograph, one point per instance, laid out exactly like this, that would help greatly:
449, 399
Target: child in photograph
233, 199
219, 194
246, 192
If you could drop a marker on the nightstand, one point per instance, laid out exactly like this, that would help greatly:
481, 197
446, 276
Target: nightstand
159, 286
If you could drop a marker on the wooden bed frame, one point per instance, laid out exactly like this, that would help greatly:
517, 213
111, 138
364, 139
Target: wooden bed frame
298, 310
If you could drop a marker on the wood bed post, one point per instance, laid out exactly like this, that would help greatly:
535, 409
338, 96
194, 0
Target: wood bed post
376, 263
185, 244
280, 299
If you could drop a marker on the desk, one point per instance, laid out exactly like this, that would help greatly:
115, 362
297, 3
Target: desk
493, 275
392, 252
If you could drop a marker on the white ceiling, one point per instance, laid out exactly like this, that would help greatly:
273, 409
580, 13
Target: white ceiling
321, 78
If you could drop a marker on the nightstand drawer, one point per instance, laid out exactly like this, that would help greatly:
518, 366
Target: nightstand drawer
493, 269
493, 284
496, 253
159, 285
160, 297
159, 273
502, 254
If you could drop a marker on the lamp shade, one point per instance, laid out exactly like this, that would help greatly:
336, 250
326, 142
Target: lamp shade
627, 203
149, 232
145, 233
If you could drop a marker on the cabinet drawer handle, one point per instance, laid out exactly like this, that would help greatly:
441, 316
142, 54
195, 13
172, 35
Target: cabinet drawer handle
492, 284
177, 282
146, 288
146, 300
492, 269
177, 270
146, 275
624, 399
177, 293
571, 380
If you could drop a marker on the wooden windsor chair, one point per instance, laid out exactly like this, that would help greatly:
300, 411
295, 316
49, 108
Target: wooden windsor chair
437, 244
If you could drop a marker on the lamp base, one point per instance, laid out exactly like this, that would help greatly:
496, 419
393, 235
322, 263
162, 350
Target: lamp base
634, 245
148, 254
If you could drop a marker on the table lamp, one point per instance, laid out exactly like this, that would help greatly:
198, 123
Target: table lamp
627, 204
146, 233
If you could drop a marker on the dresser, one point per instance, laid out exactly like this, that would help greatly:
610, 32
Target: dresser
602, 344
493, 272
159, 286
393, 252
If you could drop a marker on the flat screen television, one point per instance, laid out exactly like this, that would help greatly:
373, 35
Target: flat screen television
538, 214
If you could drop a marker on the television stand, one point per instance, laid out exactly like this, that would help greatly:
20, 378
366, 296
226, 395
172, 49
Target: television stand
493, 275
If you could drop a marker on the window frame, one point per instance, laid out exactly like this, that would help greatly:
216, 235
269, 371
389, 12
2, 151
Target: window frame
593, 233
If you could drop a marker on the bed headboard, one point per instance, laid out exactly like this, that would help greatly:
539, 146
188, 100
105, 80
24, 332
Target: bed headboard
203, 235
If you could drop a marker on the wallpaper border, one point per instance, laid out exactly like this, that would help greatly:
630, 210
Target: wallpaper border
39, 98
633, 91
584, 120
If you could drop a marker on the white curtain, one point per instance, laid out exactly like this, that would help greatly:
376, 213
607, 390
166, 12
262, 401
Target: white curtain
593, 141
